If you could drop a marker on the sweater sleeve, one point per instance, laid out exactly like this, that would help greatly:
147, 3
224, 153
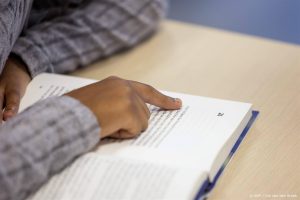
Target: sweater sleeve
95, 29
13, 17
3, 4
41, 141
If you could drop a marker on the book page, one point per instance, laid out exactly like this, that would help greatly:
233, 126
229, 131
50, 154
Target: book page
46, 85
96, 177
198, 136
195, 135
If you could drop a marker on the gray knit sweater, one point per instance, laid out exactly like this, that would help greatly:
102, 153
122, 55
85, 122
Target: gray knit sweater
60, 36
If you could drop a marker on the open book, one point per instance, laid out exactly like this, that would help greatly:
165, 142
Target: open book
179, 156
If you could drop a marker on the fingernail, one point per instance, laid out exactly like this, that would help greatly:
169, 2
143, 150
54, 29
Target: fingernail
9, 109
177, 101
7, 115
9, 112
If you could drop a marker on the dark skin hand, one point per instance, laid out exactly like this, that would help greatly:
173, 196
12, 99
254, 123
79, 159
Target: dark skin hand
13, 82
120, 105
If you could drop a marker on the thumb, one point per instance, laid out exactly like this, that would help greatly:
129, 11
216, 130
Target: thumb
12, 102
1, 103
123, 134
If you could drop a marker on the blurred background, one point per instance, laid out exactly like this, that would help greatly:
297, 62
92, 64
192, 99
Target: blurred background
274, 19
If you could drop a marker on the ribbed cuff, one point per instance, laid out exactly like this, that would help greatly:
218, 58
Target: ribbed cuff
33, 56
83, 120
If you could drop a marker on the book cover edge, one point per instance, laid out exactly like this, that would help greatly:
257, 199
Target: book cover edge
208, 185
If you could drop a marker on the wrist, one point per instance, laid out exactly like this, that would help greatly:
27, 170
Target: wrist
17, 61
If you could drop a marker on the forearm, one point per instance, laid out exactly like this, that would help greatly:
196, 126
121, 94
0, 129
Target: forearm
41, 141
92, 31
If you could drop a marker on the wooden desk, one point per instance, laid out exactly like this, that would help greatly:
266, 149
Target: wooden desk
209, 62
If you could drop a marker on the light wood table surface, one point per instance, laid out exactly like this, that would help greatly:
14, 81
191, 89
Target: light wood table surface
210, 62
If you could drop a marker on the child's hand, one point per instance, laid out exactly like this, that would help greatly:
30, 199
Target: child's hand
120, 105
13, 82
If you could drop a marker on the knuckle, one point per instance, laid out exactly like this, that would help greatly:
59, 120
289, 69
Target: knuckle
129, 107
120, 85
113, 77
126, 90
150, 89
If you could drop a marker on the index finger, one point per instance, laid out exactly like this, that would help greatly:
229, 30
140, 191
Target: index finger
152, 96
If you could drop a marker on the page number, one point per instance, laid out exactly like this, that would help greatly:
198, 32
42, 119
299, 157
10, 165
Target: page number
220, 114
